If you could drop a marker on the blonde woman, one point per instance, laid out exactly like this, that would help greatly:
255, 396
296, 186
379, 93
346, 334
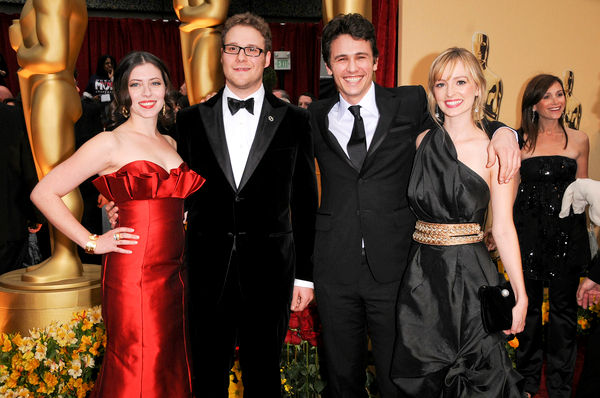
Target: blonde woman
442, 349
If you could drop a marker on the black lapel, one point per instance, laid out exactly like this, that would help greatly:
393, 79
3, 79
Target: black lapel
211, 114
387, 104
323, 121
271, 116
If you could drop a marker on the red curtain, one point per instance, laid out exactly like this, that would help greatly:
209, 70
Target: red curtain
303, 41
385, 20
117, 37
8, 53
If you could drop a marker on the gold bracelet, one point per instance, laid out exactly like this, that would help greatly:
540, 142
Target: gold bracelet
90, 247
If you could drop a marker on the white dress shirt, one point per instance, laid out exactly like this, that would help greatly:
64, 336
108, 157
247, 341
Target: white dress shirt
240, 130
341, 120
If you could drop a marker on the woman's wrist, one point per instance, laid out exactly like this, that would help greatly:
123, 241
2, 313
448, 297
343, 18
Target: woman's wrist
90, 246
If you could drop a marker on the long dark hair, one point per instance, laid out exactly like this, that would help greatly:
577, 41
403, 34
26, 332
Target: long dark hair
119, 107
534, 92
100, 71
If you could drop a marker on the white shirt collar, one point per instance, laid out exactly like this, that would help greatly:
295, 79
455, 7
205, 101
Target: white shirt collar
367, 103
258, 95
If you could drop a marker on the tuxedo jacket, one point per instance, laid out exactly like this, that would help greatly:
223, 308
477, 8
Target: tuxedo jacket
267, 222
371, 203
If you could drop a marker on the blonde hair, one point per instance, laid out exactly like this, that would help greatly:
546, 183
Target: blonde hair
450, 58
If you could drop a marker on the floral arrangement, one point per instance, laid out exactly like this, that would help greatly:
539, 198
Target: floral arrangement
61, 360
300, 373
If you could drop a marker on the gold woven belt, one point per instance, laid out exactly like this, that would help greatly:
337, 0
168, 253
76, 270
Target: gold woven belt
447, 234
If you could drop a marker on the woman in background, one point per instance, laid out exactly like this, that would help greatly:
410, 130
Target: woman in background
553, 250
142, 286
100, 85
442, 349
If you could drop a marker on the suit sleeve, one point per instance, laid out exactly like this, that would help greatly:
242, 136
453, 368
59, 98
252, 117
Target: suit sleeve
594, 271
425, 119
304, 201
490, 128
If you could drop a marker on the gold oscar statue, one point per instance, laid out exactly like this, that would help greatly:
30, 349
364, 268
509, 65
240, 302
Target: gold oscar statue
331, 8
481, 49
47, 39
201, 44
573, 106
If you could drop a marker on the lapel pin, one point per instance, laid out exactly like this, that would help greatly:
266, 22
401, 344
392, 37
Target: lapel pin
270, 118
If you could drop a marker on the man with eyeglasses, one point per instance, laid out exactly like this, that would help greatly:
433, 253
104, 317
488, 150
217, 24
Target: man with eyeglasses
251, 227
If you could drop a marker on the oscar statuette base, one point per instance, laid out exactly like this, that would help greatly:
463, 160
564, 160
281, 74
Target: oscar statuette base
24, 306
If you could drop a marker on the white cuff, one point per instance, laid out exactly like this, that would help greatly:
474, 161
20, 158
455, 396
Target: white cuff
303, 283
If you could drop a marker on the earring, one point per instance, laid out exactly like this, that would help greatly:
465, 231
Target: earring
533, 116
476, 109
437, 112
164, 110
125, 111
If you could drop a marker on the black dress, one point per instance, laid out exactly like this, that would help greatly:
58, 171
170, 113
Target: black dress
553, 252
441, 348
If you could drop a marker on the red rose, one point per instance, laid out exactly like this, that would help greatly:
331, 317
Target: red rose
306, 323
294, 338
294, 321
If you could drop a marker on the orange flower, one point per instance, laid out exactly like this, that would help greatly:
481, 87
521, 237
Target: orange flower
514, 343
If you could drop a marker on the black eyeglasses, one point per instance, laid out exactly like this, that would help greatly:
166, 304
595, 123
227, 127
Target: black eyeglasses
250, 51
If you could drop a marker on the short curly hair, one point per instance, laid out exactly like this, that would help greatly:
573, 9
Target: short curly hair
355, 25
252, 20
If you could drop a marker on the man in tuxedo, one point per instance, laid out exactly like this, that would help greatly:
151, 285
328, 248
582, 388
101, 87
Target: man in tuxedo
365, 144
251, 227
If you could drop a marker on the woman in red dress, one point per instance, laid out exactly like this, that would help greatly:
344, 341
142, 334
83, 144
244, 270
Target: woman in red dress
143, 289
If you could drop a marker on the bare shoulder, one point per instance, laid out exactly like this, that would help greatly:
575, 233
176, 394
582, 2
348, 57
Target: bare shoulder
578, 137
170, 140
420, 137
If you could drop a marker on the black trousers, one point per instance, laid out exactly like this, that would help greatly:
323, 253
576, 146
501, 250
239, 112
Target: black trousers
561, 344
235, 320
348, 314
589, 381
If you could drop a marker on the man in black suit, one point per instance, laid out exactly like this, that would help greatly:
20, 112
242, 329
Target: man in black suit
251, 226
17, 179
365, 144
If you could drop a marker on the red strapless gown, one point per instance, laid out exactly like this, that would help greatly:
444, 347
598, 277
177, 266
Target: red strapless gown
143, 292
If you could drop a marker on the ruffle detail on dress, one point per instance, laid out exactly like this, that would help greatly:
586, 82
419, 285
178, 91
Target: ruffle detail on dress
143, 179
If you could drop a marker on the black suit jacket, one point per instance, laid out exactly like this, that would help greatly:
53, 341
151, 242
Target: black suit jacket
17, 176
370, 203
268, 219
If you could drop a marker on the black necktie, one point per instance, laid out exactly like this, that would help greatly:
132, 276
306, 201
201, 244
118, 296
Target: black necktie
357, 146
235, 105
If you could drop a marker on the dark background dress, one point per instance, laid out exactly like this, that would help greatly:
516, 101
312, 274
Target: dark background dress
147, 351
554, 251
441, 348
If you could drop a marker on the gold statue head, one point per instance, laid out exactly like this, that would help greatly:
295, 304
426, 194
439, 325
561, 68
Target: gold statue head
569, 81
481, 47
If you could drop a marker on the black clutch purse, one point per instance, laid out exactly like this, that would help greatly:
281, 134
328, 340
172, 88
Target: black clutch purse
497, 303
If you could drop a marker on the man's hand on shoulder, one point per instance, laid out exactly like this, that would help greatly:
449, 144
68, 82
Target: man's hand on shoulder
505, 146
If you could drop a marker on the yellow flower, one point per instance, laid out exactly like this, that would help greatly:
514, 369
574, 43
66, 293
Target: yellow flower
545, 312
50, 379
33, 378
514, 343
583, 323
87, 325
32, 365
5, 342
288, 388
94, 349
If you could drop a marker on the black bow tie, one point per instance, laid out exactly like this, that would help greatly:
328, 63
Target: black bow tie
235, 105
